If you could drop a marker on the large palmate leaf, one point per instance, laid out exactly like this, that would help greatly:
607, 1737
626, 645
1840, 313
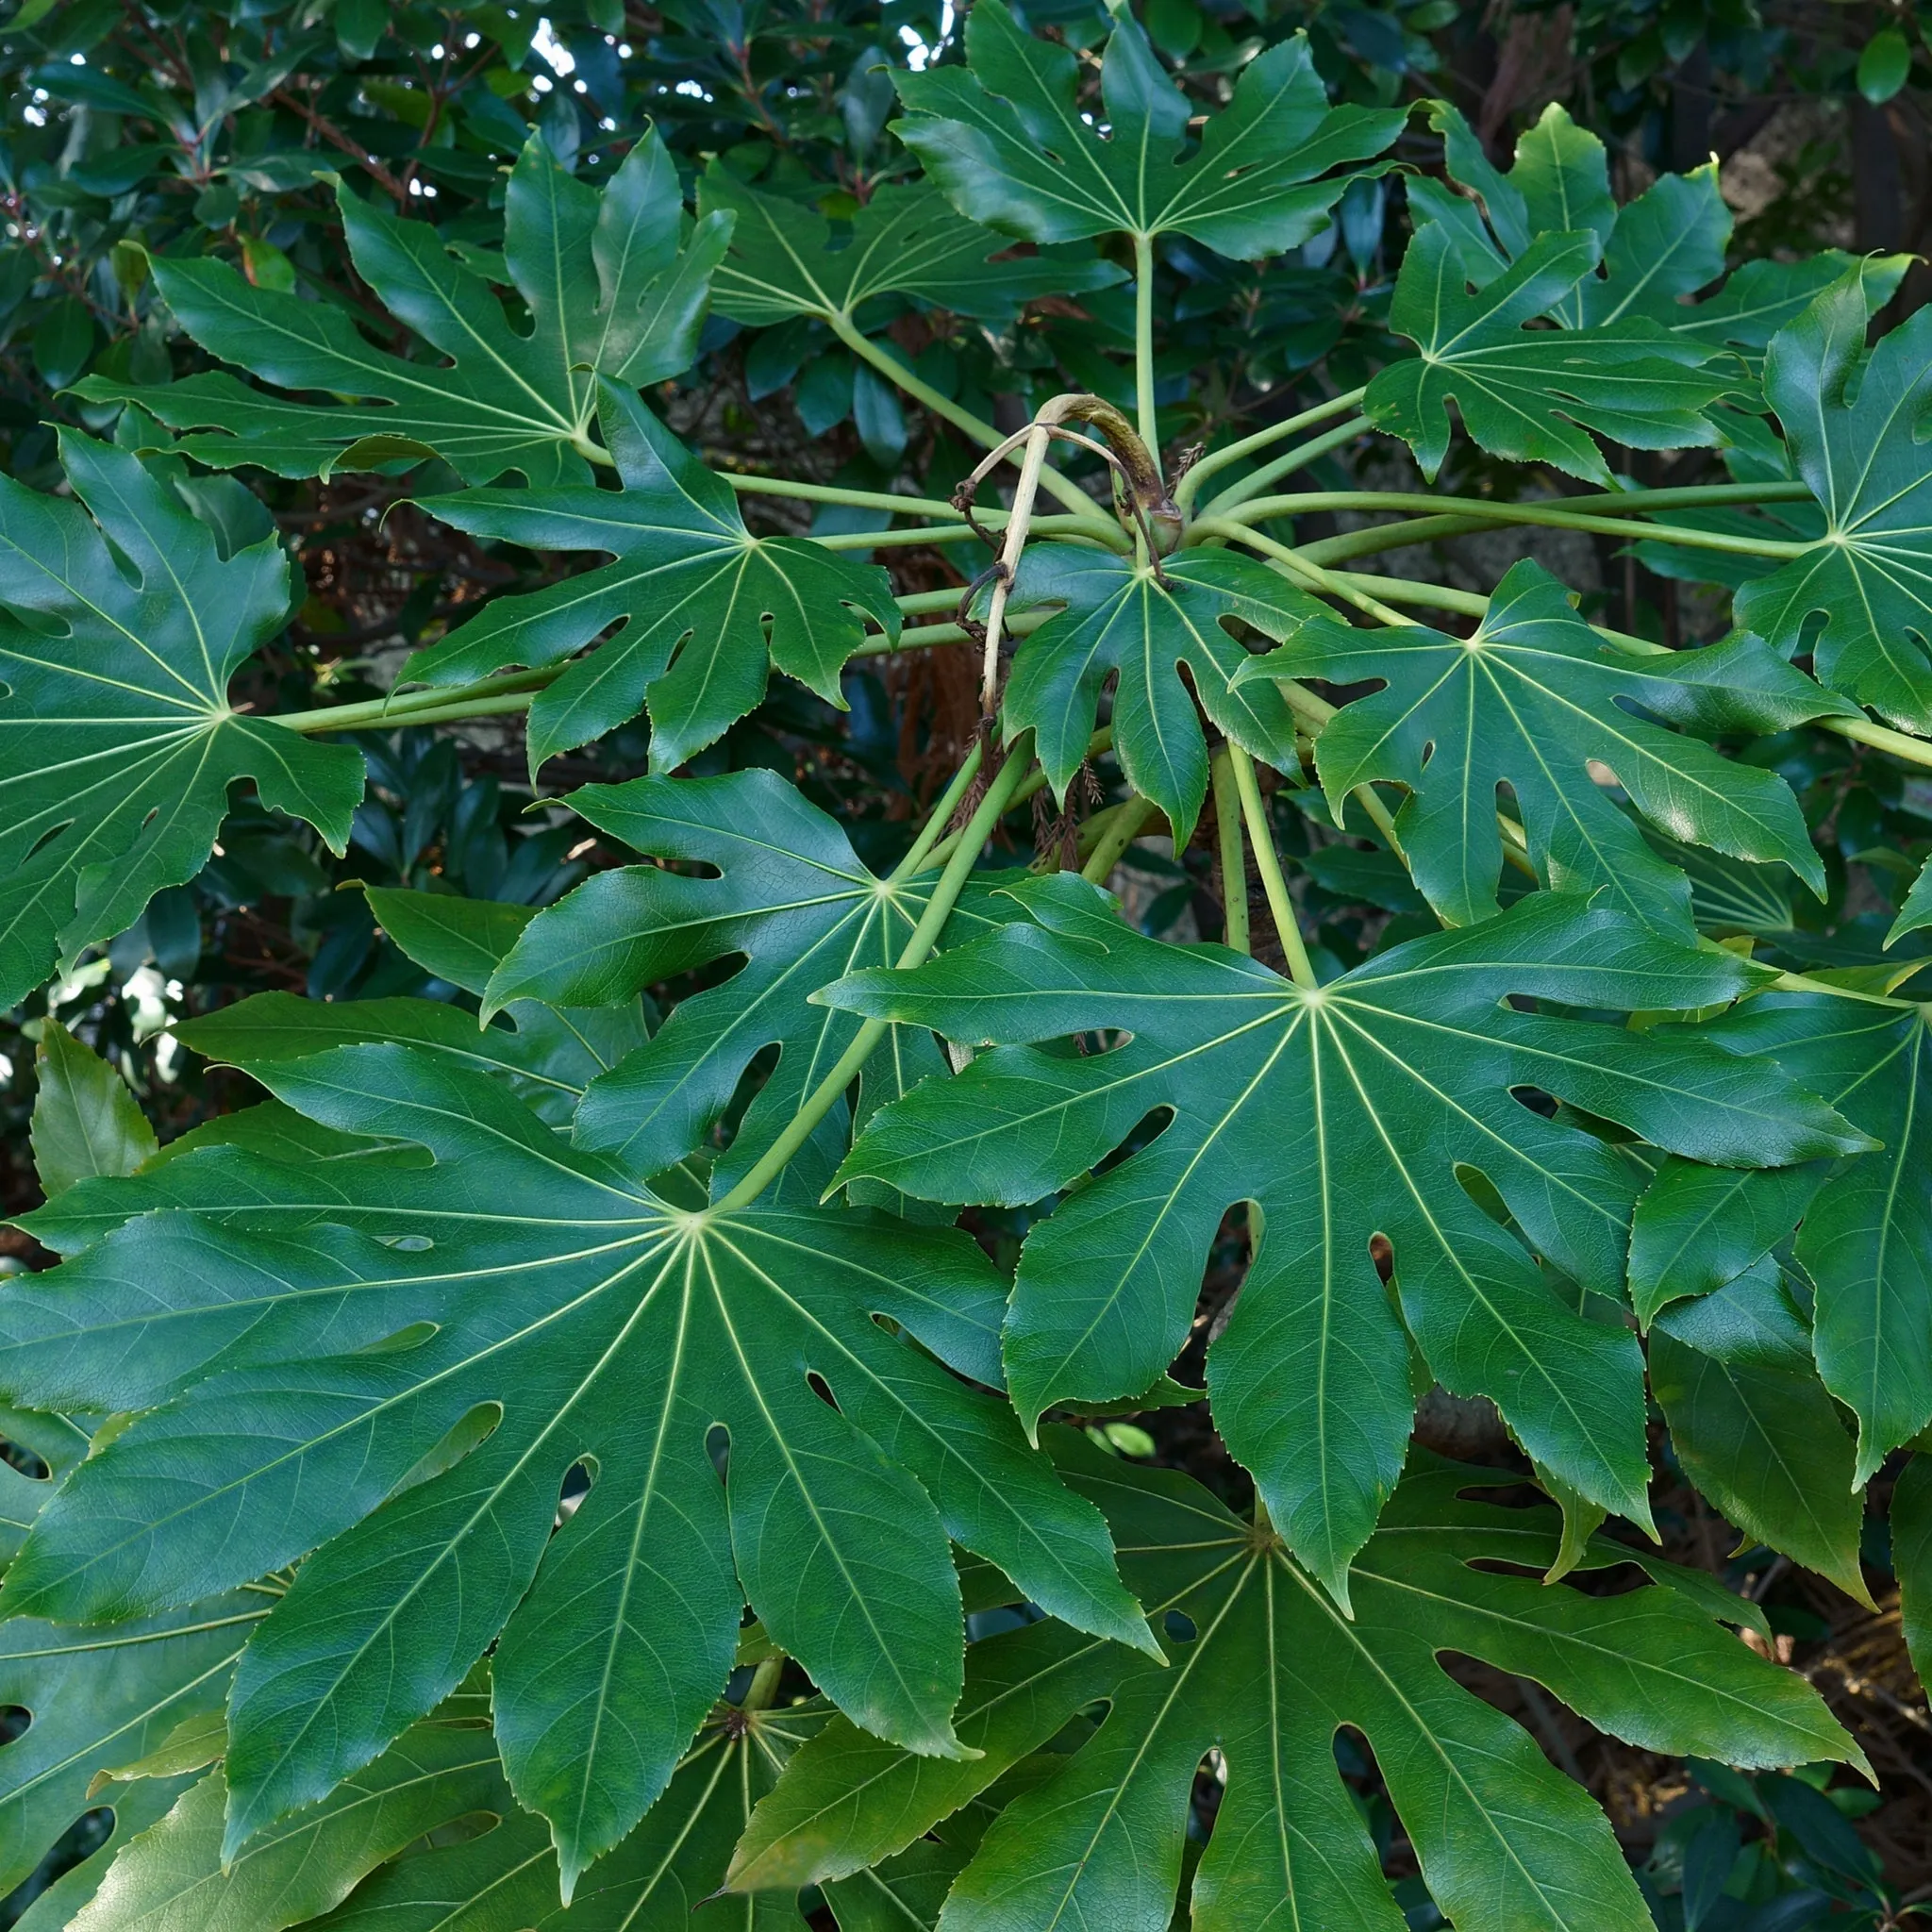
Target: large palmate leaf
1534, 394
97, 1699
1659, 251
791, 896
175, 1877
1854, 423
534, 1309
614, 283
1263, 1669
1531, 699
1866, 1240
1137, 625
1343, 1113
784, 259
117, 742
1007, 139
499, 1878
664, 1877
707, 609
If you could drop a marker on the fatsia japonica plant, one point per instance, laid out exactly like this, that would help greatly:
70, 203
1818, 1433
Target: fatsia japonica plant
636, 1431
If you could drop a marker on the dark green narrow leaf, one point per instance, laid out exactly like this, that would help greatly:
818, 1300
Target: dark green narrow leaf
1006, 139
1867, 1237
1531, 699
1851, 419
1532, 395
613, 286
1762, 1440
708, 610
1697, 1227
905, 241
1134, 626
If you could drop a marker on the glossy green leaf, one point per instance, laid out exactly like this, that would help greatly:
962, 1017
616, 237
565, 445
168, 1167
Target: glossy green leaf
515, 1303
708, 610
1659, 251
56, 1442
615, 286
1007, 139
1867, 1237
1851, 419
86, 1121
1911, 1559
1342, 1113
1532, 698
784, 259
1534, 394
1755, 1431
1264, 1670
546, 1057
1134, 626
463, 941
100, 1698
849, 1800
117, 742
659, 1879
791, 896
172, 1878
1697, 1227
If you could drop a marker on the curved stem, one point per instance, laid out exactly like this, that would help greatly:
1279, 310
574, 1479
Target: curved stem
1123, 828
509, 691
1296, 459
1216, 460
976, 427
1612, 520
1287, 928
1311, 575
1111, 535
925, 936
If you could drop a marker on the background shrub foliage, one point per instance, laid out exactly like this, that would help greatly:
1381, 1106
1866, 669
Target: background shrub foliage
964, 966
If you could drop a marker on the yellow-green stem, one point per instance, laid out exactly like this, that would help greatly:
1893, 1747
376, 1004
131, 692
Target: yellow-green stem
1268, 863
1218, 460
1143, 345
1124, 824
1284, 465
982, 431
945, 893
1234, 865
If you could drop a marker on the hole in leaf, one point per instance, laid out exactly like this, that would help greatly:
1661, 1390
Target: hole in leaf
468, 1432
1482, 1190
16, 1720
17, 1455
414, 1336
718, 1447
1180, 1626
579, 1480
820, 1388
1383, 1256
